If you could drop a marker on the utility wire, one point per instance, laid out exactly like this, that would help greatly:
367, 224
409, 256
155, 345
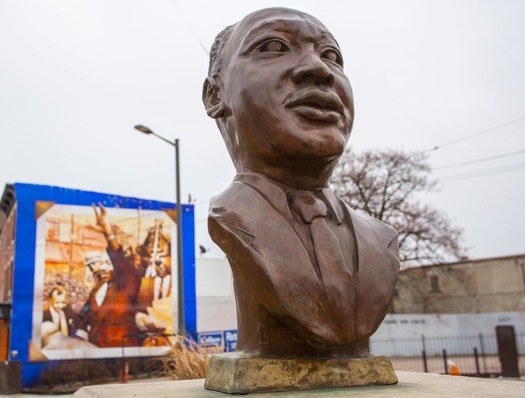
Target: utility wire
485, 131
191, 28
482, 173
503, 155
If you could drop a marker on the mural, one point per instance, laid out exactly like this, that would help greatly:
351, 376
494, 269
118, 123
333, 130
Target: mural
105, 280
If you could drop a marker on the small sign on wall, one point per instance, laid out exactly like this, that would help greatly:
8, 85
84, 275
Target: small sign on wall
230, 340
211, 342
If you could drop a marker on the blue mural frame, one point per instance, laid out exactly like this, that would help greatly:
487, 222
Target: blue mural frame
24, 263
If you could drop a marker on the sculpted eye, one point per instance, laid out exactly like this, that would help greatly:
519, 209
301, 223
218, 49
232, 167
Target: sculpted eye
274, 46
333, 55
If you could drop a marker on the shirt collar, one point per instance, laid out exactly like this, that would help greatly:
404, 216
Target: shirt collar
275, 193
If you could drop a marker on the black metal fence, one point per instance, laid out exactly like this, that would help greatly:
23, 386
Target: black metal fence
474, 355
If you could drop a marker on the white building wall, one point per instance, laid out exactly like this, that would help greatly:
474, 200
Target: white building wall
215, 297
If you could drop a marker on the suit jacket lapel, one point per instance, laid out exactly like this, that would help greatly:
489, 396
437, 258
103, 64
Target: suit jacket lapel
274, 195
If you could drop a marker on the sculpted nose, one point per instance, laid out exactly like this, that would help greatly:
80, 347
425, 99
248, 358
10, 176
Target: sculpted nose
312, 68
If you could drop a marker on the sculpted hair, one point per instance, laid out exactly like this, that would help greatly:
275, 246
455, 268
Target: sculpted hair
217, 48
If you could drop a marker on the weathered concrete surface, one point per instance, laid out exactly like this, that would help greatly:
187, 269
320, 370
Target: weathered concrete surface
241, 374
416, 385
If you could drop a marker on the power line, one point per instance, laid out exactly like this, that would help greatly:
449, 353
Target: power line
191, 28
503, 155
485, 131
482, 173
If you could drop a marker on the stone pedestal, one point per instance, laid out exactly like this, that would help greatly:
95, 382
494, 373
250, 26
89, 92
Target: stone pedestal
242, 374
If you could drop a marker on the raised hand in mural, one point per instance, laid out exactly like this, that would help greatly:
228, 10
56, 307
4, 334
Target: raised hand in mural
104, 227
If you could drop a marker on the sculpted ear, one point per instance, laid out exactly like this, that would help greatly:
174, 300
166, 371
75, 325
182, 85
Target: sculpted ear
211, 97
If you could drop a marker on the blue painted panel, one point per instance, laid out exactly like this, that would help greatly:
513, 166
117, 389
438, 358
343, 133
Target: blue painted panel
188, 259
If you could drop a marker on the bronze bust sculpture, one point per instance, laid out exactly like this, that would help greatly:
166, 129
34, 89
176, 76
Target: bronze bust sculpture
313, 279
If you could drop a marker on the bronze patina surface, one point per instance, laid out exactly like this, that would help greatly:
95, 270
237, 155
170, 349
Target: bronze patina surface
313, 278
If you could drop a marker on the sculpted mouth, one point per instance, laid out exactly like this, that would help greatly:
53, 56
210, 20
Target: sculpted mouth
316, 105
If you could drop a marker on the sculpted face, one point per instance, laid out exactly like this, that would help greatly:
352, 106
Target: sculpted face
281, 96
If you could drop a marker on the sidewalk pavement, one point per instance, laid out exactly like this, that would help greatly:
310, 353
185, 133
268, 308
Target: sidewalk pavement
23, 395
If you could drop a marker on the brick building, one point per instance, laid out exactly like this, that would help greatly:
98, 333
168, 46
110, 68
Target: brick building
469, 286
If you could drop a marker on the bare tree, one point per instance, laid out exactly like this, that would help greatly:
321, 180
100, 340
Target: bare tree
385, 184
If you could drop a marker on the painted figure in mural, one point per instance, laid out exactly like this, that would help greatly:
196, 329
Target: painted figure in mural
156, 247
312, 277
58, 317
155, 253
156, 286
110, 311
161, 281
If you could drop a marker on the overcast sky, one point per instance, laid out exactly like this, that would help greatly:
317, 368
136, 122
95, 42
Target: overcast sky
76, 76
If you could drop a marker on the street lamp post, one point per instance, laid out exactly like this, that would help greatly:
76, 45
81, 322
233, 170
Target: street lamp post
180, 280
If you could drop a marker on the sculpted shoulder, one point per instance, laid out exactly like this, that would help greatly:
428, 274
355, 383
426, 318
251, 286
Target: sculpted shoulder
234, 213
375, 230
227, 200
233, 205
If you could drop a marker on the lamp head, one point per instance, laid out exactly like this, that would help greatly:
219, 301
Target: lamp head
143, 129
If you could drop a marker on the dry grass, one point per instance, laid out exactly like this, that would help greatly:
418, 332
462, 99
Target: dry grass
186, 360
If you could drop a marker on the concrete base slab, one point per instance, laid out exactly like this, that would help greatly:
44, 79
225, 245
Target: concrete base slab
411, 385
235, 373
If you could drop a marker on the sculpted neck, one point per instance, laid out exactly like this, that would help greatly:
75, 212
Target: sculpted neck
300, 178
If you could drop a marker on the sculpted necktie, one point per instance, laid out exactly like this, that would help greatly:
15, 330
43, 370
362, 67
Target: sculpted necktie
330, 259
